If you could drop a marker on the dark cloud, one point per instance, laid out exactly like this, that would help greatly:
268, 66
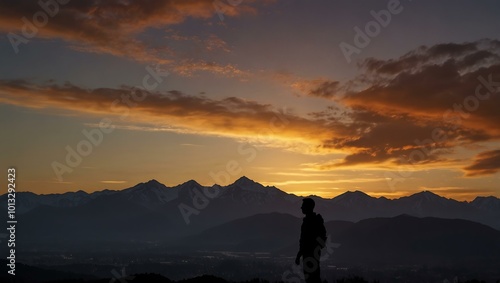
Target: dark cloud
374, 138
485, 163
113, 26
417, 109
420, 107
320, 87
467, 53
435, 84
326, 89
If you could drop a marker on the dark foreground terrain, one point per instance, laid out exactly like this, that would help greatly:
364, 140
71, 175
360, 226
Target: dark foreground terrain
88, 273
156, 278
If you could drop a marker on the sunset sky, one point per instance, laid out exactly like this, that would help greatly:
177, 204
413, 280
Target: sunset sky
313, 97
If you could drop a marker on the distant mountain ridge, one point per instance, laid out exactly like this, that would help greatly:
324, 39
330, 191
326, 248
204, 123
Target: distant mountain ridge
151, 211
154, 191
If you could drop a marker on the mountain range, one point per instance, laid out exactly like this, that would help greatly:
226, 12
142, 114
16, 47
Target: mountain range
150, 211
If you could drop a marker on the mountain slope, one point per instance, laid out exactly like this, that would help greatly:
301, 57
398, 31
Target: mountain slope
398, 240
407, 239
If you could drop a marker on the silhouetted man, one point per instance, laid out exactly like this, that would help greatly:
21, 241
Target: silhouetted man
312, 240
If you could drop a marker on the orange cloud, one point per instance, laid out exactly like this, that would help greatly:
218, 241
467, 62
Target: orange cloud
231, 117
189, 67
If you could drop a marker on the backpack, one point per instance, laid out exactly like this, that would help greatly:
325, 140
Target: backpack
321, 231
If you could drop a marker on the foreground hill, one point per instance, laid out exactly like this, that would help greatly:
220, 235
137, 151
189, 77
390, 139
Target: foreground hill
398, 240
388, 245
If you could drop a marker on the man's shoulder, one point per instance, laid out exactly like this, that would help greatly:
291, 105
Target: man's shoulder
314, 217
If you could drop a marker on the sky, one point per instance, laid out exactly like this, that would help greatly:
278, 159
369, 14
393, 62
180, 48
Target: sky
314, 97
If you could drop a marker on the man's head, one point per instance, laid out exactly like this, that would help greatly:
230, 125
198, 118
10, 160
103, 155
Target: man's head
307, 205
